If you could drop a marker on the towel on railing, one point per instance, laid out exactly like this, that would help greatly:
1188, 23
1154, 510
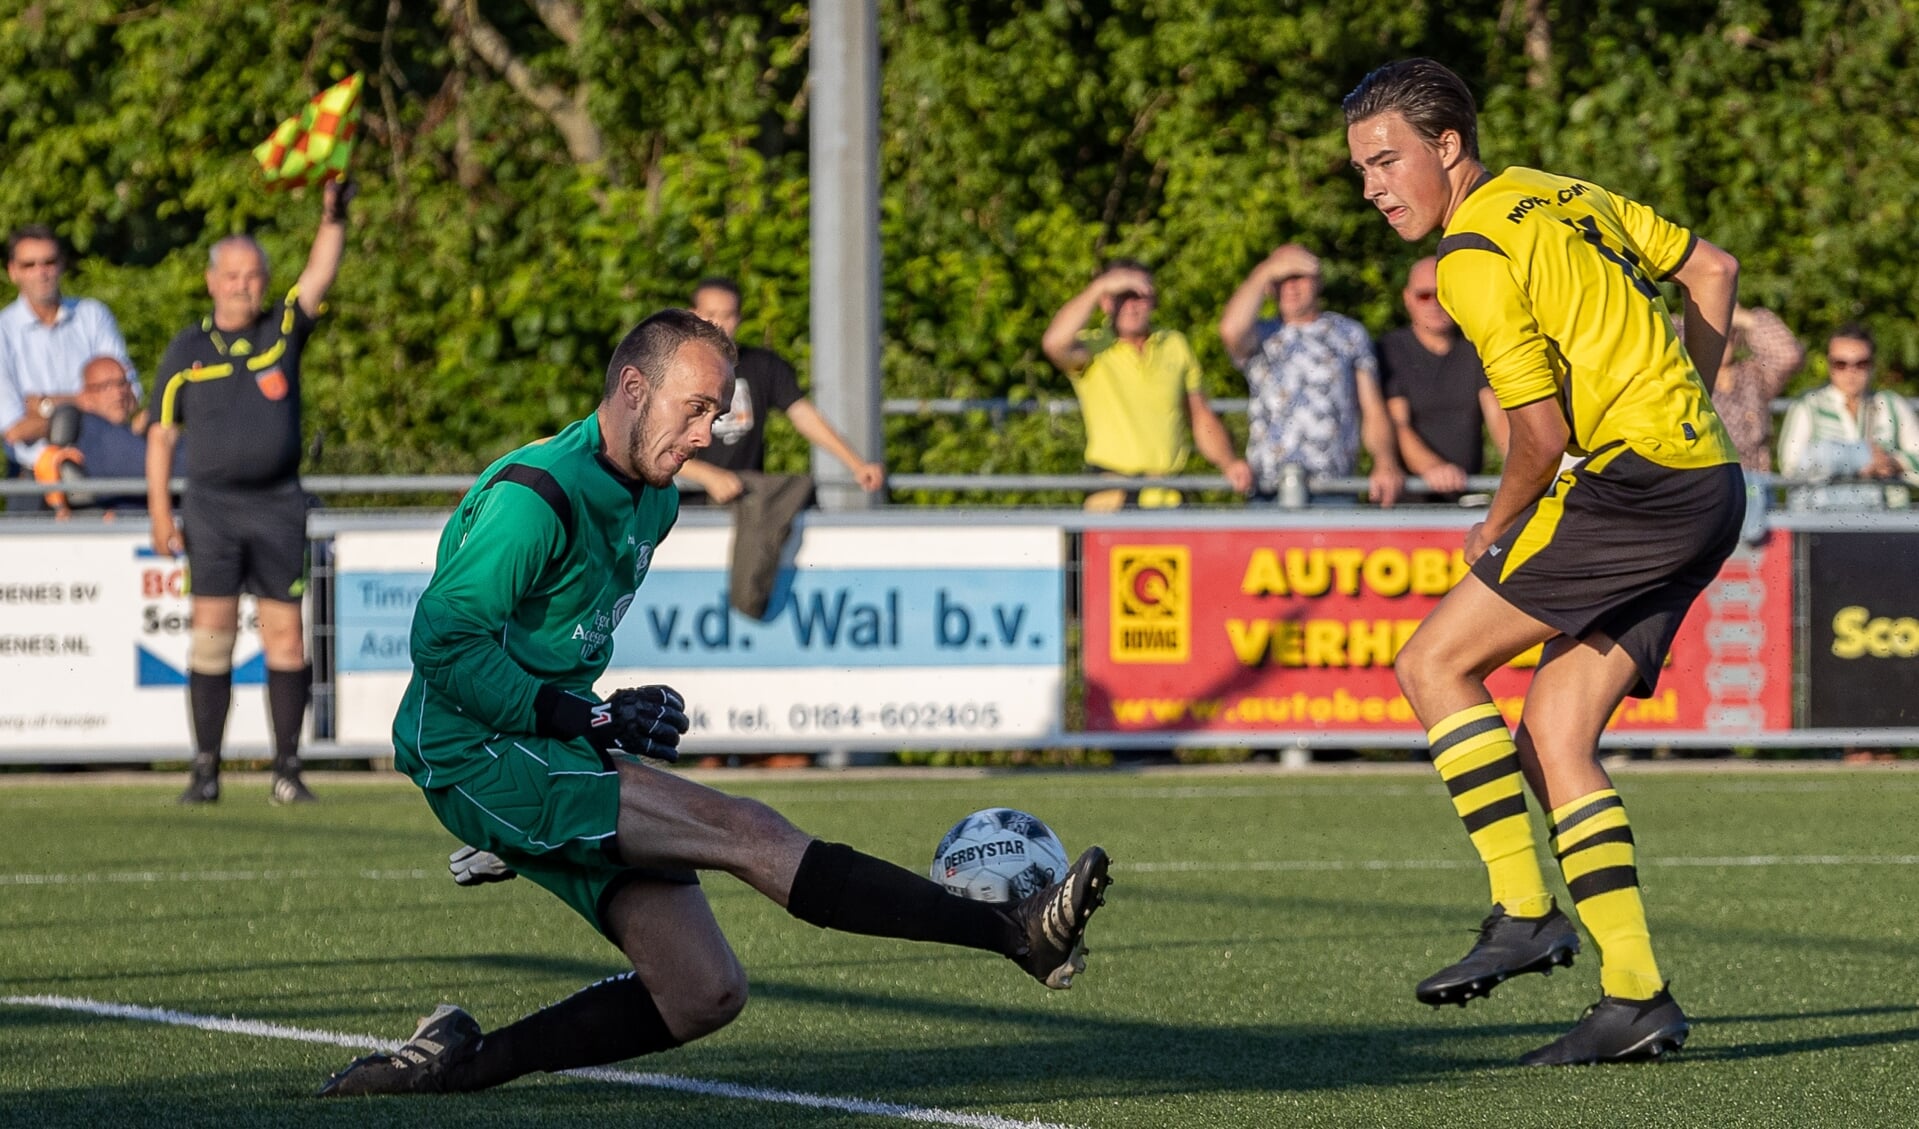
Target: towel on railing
762, 520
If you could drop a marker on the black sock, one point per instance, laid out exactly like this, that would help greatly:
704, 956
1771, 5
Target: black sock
837, 887
208, 696
610, 1021
287, 695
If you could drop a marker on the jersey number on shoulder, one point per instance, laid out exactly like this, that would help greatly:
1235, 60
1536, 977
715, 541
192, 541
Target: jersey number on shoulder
1588, 228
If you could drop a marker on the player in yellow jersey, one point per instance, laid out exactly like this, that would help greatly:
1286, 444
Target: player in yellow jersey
1553, 279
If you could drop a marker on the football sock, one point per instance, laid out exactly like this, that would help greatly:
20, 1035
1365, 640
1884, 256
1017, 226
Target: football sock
610, 1021
287, 694
837, 887
1474, 753
208, 696
1595, 849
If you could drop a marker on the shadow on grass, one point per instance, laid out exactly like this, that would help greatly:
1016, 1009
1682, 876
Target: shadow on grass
1030, 1054
1118, 1057
242, 1099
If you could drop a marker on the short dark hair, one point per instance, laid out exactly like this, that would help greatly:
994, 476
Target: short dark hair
1429, 96
651, 345
717, 282
1853, 331
28, 231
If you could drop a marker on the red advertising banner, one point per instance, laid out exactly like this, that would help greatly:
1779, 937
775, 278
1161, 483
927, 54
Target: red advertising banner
1295, 630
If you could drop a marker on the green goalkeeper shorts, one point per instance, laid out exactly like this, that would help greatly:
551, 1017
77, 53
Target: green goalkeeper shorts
550, 809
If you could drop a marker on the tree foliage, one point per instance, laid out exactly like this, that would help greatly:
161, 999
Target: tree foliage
538, 174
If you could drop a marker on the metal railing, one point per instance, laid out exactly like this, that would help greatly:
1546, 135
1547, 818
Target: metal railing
1294, 492
360, 484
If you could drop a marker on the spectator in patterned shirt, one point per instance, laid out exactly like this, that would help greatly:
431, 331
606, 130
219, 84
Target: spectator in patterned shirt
1313, 379
1761, 355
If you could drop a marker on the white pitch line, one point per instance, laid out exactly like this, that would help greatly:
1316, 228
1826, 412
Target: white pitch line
653, 1081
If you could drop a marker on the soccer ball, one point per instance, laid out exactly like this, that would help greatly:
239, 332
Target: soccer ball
998, 855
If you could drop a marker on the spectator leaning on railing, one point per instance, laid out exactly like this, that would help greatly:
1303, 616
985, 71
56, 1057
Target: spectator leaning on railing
763, 382
1138, 388
1863, 444
102, 434
1436, 391
1312, 377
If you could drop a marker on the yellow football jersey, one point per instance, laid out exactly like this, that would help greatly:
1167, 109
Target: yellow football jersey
1133, 401
1552, 280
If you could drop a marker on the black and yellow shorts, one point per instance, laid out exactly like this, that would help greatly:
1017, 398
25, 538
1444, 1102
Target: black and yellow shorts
550, 809
1621, 546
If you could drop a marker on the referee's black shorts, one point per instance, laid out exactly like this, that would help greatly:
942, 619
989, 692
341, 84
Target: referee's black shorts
246, 540
1622, 546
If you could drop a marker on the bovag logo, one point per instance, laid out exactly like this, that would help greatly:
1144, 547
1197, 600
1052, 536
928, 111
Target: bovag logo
1152, 601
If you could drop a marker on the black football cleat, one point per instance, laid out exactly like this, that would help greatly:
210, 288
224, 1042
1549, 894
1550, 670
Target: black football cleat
445, 1038
1616, 1030
203, 781
1054, 921
1507, 946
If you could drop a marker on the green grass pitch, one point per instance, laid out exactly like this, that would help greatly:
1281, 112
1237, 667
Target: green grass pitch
1253, 967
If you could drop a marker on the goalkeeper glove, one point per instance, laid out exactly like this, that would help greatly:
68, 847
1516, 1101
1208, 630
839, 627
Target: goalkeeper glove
472, 866
644, 722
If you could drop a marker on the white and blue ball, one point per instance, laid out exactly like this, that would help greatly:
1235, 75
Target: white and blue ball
998, 855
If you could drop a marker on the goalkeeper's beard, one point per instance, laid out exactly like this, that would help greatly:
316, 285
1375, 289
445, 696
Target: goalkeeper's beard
636, 448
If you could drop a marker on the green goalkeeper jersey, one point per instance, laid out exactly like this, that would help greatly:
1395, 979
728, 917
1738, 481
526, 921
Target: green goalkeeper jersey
534, 570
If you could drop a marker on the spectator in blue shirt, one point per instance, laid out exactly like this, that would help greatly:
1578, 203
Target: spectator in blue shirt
46, 339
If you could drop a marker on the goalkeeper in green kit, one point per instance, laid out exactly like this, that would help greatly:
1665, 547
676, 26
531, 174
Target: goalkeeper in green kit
522, 762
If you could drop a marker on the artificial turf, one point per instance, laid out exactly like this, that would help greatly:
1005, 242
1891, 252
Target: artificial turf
1253, 967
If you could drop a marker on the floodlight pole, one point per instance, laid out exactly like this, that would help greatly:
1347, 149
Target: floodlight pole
844, 187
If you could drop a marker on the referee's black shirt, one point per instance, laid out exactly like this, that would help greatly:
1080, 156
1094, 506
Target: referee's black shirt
239, 393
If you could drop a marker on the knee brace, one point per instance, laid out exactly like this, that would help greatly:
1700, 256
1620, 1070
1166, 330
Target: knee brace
211, 651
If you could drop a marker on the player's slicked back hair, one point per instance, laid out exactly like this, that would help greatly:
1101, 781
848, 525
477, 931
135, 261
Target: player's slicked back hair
1430, 97
650, 346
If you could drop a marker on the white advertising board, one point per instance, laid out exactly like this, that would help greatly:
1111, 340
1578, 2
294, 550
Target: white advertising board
93, 649
877, 636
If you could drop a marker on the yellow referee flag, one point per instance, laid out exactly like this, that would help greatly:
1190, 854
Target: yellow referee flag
314, 146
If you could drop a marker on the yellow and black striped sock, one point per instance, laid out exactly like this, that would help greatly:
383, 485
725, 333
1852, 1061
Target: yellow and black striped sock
1473, 751
1595, 848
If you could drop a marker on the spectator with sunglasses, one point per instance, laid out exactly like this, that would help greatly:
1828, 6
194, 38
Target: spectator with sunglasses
46, 338
1436, 392
1861, 444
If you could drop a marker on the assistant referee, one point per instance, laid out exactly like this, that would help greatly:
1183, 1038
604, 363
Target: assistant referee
235, 380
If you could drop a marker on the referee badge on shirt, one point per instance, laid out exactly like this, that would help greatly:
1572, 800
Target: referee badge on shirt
273, 383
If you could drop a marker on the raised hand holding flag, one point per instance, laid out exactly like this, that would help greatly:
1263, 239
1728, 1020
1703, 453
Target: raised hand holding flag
315, 145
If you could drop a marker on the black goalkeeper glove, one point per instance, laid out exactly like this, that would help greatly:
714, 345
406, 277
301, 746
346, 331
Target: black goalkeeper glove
645, 722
